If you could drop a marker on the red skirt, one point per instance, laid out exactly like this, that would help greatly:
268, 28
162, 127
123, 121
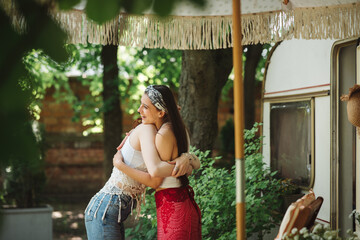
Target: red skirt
178, 215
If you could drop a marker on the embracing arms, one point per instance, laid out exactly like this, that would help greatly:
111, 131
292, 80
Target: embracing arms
185, 163
136, 174
157, 167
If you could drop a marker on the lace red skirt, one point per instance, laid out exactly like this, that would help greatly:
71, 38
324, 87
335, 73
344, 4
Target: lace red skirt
178, 215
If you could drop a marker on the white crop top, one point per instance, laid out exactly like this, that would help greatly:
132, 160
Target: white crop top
170, 182
132, 158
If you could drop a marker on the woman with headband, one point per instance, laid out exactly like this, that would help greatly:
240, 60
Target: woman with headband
109, 208
178, 215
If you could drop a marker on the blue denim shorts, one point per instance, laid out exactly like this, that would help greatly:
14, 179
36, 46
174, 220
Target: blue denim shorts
105, 214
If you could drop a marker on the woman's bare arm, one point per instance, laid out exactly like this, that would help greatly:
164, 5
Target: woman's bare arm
156, 167
138, 175
151, 141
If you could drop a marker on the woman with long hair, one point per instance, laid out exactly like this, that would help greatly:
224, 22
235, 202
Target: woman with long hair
110, 207
178, 215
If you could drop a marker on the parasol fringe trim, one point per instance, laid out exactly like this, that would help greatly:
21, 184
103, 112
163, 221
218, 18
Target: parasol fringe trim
210, 32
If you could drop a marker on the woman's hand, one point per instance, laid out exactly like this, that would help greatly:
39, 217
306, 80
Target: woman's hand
182, 165
118, 160
185, 164
189, 171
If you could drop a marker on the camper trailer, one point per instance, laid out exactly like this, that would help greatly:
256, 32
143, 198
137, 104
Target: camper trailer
308, 137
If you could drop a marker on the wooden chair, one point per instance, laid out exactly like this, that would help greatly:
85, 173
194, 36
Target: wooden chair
300, 214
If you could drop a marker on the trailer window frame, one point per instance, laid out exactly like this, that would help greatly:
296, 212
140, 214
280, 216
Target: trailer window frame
311, 101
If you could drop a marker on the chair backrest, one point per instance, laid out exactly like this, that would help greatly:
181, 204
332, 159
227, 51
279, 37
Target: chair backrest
301, 213
314, 210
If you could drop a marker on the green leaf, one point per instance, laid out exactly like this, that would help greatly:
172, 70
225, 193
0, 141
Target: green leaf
163, 7
67, 4
101, 11
200, 3
136, 6
51, 39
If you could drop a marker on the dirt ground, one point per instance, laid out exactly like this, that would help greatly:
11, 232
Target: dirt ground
68, 221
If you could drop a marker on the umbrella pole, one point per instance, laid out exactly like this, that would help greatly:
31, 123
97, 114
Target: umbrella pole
238, 121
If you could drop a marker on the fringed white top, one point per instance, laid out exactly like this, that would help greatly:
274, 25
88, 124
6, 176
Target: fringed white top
119, 182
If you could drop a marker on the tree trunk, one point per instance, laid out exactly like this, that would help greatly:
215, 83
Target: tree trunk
203, 74
253, 55
112, 109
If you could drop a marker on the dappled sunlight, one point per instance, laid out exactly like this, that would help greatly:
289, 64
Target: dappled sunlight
68, 223
74, 225
57, 214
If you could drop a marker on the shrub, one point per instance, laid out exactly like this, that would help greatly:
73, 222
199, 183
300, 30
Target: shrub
319, 232
146, 227
23, 175
227, 138
215, 194
262, 191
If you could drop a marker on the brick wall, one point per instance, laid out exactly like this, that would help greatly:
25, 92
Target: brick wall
74, 162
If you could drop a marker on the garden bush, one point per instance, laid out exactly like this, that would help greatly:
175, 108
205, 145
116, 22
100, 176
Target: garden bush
215, 194
319, 232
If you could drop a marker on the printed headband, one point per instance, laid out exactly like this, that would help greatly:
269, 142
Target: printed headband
156, 98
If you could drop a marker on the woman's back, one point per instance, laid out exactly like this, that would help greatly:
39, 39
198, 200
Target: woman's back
166, 146
165, 141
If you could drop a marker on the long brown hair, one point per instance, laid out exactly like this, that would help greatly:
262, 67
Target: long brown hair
172, 115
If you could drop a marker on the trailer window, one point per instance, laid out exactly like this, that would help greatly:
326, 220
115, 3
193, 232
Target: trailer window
291, 140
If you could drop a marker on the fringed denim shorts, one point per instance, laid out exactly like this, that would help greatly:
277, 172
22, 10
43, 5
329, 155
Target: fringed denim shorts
105, 214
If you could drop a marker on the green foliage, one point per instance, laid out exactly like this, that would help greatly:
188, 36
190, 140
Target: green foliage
259, 74
226, 95
42, 32
320, 232
227, 139
21, 165
102, 11
146, 228
166, 65
67, 4
356, 215
137, 6
43, 73
137, 68
24, 175
260, 69
262, 190
215, 194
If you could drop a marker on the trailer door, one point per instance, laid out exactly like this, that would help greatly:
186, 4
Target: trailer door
343, 141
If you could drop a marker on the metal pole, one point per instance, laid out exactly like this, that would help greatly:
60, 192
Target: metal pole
238, 121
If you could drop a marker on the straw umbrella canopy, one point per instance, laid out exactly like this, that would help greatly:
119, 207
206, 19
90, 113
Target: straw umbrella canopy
221, 24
